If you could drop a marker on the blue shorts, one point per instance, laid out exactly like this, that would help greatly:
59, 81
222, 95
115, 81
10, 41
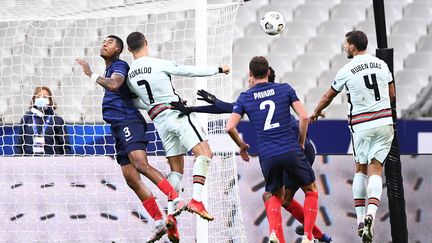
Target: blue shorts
309, 152
129, 136
294, 163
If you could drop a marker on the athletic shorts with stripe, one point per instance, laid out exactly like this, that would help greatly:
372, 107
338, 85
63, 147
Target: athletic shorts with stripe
128, 136
294, 163
178, 134
372, 143
288, 179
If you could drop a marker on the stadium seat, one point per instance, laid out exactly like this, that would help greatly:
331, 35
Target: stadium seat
312, 62
393, 12
349, 12
245, 16
327, 45
367, 26
329, 2
307, 12
415, 28
406, 95
326, 78
425, 43
335, 28
300, 29
421, 11
301, 82
336, 111
403, 45
338, 61
281, 63
314, 95
251, 46
294, 3
291, 46
241, 66
414, 77
420, 60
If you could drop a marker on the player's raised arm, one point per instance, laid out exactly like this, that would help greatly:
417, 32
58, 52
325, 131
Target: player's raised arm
112, 83
303, 122
194, 71
325, 101
232, 131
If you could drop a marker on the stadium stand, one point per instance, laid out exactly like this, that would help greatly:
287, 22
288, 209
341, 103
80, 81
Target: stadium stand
317, 29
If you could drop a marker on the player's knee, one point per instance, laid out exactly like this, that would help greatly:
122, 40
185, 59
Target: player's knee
132, 181
266, 196
310, 188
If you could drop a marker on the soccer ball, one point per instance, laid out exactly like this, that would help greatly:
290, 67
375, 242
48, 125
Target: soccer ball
272, 23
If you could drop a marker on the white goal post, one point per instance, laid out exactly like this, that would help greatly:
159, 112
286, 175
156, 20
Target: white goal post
82, 196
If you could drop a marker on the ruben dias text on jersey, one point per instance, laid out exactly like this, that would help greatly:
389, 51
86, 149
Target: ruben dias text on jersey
263, 94
364, 66
137, 71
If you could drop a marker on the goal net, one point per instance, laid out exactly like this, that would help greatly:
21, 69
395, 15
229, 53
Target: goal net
82, 195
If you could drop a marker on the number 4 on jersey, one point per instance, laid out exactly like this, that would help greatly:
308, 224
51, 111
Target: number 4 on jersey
373, 85
268, 125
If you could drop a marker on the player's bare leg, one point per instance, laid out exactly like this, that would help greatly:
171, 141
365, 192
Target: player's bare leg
359, 189
140, 162
374, 191
203, 156
133, 180
310, 210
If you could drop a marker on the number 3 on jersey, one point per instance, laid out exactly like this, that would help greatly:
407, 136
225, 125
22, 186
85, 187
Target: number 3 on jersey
268, 125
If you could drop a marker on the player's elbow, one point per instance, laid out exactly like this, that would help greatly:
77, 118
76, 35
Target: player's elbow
113, 87
229, 128
303, 117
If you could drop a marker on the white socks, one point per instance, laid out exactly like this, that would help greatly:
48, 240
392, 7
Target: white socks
359, 188
200, 169
174, 178
374, 191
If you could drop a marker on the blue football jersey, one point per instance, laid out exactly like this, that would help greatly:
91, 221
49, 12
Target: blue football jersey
118, 105
268, 107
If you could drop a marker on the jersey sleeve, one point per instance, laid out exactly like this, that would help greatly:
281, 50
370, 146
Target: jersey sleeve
341, 78
238, 106
121, 68
189, 71
292, 95
388, 77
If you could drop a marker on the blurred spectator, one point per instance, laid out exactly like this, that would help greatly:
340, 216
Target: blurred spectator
41, 131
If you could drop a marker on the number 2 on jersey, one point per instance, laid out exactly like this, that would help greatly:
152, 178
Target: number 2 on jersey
268, 125
149, 92
373, 86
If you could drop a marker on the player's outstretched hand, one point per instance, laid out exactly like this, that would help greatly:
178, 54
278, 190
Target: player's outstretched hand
85, 66
314, 117
206, 96
180, 106
243, 152
225, 68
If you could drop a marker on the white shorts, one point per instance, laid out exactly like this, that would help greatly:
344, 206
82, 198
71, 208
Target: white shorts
179, 134
374, 143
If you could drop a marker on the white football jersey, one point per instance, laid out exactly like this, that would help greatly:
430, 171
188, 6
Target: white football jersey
366, 79
150, 79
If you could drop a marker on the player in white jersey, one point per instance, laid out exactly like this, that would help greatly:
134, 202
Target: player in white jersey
370, 89
150, 79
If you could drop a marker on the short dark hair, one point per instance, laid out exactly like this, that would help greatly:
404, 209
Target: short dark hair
119, 42
358, 39
272, 75
259, 67
135, 41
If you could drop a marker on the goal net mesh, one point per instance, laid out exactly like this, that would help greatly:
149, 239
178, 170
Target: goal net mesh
82, 195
